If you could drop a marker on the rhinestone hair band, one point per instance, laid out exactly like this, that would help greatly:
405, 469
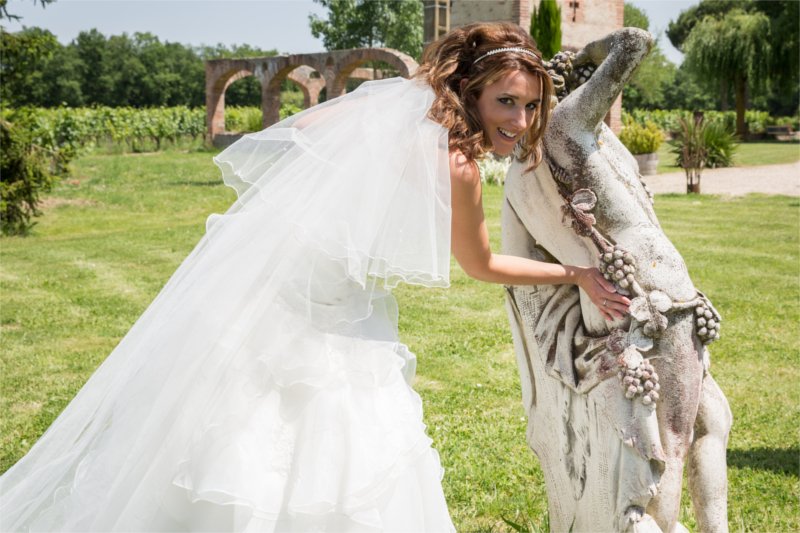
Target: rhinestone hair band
512, 49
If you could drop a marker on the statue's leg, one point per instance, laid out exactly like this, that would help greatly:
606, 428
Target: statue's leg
681, 372
707, 469
665, 506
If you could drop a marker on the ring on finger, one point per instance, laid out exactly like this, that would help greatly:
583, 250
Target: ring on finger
605, 302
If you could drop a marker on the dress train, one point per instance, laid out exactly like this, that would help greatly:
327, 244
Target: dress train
265, 388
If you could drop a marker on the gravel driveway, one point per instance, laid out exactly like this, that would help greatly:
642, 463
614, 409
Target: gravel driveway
767, 179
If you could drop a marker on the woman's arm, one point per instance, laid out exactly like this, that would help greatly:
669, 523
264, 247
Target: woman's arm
470, 245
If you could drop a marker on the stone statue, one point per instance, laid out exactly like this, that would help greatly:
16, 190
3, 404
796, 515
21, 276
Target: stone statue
615, 410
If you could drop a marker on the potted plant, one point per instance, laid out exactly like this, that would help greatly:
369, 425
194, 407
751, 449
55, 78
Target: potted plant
643, 141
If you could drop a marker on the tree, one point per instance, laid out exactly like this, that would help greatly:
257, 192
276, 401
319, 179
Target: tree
61, 79
678, 30
784, 70
648, 86
546, 27
4, 14
780, 93
26, 168
23, 57
735, 49
633, 17
96, 83
370, 23
683, 92
246, 91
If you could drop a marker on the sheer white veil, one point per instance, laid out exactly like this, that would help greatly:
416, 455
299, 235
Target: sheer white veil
335, 206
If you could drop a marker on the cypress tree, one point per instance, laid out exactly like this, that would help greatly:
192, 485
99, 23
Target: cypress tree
546, 27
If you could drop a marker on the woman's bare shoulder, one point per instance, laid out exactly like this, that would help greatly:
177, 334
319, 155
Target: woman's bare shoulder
463, 171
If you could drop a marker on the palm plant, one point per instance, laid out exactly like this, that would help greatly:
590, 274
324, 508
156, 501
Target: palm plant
690, 146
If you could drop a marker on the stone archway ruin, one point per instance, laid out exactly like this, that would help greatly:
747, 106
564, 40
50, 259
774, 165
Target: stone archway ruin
312, 72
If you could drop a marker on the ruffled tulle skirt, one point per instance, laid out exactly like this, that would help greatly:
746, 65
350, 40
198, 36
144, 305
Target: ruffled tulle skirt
304, 431
265, 389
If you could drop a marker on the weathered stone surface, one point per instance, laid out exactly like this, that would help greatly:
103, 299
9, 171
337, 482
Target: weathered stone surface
615, 409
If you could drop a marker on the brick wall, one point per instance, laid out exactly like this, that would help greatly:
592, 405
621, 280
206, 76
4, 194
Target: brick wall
583, 21
592, 18
463, 12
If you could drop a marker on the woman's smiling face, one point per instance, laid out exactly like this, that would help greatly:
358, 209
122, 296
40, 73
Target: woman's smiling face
506, 109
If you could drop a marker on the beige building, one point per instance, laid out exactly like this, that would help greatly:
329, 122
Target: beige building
582, 21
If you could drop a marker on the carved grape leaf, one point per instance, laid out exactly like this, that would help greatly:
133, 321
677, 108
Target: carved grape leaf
640, 309
631, 357
637, 338
583, 200
659, 321
660, 301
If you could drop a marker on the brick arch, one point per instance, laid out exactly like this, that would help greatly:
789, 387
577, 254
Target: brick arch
404, 64
333, 67
216, 86
311, 86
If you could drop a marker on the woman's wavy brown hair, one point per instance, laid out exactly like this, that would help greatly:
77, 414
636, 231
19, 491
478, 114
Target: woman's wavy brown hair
452, 58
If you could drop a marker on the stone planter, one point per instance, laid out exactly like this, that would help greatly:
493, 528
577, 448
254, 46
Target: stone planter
648, 163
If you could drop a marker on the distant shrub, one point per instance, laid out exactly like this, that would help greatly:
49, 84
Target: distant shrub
793, 122
666, 120
493, 169
717, 140
689, 145
83, 128
244, 119
27, 169
669, 120
288, 109
641, 138
720, 141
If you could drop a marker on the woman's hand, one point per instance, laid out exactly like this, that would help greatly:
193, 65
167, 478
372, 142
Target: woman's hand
603, 294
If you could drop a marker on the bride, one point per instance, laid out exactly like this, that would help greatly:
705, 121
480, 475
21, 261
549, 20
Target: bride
265, 389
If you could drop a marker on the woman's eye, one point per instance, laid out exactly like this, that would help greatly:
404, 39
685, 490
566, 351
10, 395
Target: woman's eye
531, 107
505, 101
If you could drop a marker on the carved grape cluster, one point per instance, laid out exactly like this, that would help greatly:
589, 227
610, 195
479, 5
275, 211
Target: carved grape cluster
559, 68
583, 73
641, 381
618, 267
707, 323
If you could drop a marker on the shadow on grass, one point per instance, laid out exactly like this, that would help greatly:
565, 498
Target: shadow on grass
206, 183
779, 460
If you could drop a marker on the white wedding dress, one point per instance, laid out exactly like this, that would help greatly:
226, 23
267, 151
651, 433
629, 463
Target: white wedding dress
265, 388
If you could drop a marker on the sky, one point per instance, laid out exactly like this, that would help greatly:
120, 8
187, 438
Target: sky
265, 24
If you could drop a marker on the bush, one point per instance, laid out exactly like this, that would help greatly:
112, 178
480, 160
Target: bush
718, 141
288, 109
493, 169
27, 169
669, 120
243, 119
80, 129
641, 139
666, 120
689, 145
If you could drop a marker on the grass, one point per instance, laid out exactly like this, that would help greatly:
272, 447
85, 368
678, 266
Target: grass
748, 154
111, 238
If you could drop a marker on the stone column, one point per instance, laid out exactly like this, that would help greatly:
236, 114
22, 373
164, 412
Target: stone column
215, 102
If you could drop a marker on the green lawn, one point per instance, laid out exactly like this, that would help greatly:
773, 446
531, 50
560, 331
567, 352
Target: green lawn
747, 155
110, 239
